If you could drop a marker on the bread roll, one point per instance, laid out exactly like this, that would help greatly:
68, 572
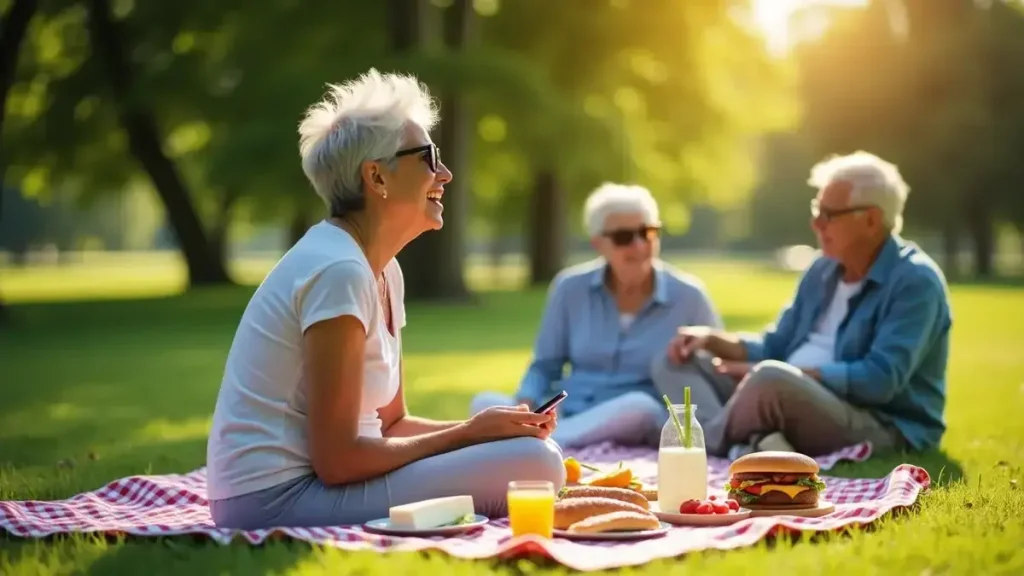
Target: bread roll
571, 510
616, 521
624, 494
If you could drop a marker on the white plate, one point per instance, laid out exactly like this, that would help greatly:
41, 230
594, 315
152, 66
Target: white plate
383, 526
700, 519
618, 535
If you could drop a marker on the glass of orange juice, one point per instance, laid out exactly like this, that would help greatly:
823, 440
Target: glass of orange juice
531, 508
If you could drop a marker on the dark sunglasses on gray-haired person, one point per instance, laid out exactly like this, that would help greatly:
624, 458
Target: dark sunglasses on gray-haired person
430, 153
625, 236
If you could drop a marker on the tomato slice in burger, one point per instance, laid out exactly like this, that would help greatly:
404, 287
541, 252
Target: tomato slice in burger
755, 489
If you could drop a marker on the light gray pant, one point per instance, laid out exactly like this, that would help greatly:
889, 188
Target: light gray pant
774, 397
634, 418
482, 471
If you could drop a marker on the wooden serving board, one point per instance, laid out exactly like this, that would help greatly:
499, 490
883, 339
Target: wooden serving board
824, 508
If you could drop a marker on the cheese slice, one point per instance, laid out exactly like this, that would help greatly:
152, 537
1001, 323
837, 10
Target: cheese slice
431, 513
791, 490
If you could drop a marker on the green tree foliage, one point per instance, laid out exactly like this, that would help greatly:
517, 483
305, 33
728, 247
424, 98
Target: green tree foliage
935, 86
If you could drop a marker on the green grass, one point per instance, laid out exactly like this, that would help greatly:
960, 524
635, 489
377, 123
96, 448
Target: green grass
92, 391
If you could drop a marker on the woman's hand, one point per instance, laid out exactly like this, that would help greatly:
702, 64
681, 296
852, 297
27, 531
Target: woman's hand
549, 427
501, 422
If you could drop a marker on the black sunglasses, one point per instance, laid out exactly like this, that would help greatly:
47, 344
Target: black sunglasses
829, 215
625, 237
431, 154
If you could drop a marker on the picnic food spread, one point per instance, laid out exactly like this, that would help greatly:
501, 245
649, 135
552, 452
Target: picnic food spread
616, 522
596, 509
432, 513
619, 477
531, 508
773, 479
624, 494
682, 458
711, 505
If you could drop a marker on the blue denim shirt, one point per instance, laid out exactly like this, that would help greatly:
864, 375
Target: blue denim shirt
580, 330
891, 348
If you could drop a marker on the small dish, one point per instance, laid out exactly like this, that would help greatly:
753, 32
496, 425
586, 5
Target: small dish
677, 519
383, 526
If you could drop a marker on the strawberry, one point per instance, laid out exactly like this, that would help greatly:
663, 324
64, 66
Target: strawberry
711, 498
733, 505
706, 508
720, 508
689, 507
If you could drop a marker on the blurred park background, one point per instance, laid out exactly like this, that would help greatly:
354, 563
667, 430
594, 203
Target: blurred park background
151, 178
163, 134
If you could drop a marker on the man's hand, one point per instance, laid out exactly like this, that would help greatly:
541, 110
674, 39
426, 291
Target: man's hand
688, 340
737, 370
691, 339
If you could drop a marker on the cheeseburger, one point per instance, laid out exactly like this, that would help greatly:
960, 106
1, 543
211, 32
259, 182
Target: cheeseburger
784, 480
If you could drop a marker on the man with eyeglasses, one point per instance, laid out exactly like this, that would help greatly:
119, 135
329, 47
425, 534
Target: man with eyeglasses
859, 354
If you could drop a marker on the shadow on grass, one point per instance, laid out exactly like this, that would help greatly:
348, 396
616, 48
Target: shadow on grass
942, 468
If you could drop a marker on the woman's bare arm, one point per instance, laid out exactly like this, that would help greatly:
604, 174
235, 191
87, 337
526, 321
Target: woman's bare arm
398, 423
334, 359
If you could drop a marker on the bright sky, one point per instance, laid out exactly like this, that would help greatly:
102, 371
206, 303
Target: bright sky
772, 17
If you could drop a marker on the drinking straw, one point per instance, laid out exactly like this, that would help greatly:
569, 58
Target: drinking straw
672, 413
688, 414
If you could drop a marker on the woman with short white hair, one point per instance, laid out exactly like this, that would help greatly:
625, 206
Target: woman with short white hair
311, 426
607, 320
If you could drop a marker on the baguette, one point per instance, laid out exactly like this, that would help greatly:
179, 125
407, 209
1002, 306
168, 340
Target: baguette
616, 521
571, 510
624, 494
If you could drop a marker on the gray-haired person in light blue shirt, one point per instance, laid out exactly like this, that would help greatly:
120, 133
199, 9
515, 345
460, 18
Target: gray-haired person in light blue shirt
606, 320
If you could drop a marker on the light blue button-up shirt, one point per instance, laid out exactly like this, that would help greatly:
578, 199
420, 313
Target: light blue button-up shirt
891, 348
580, 330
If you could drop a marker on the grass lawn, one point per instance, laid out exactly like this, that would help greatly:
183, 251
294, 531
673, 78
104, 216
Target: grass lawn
92, 391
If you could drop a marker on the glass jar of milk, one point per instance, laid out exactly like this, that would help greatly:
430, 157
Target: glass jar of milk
682, 471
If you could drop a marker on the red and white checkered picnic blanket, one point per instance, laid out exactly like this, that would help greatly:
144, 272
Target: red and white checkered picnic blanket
176, 504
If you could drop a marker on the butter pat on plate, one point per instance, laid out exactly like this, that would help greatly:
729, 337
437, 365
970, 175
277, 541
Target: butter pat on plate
433, 513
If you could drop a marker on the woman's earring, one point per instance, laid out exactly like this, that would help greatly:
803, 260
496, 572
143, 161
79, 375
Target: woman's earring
383, 193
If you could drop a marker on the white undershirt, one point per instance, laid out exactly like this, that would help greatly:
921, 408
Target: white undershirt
820, 346
258, 438
626, 320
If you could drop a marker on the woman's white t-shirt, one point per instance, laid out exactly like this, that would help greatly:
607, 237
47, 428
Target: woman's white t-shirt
259, 434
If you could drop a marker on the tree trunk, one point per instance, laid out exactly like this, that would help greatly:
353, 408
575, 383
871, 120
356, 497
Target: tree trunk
12, 33
546, 234
407, 24
1020, 239
299, 225
951, 250
144, 141
980, 225
220, 232
434, 263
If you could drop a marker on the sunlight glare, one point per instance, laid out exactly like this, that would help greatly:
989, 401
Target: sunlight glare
772, 18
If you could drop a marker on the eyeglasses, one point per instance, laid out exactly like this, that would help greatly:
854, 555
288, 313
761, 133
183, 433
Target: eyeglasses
625, 237
817, 212
430, 153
